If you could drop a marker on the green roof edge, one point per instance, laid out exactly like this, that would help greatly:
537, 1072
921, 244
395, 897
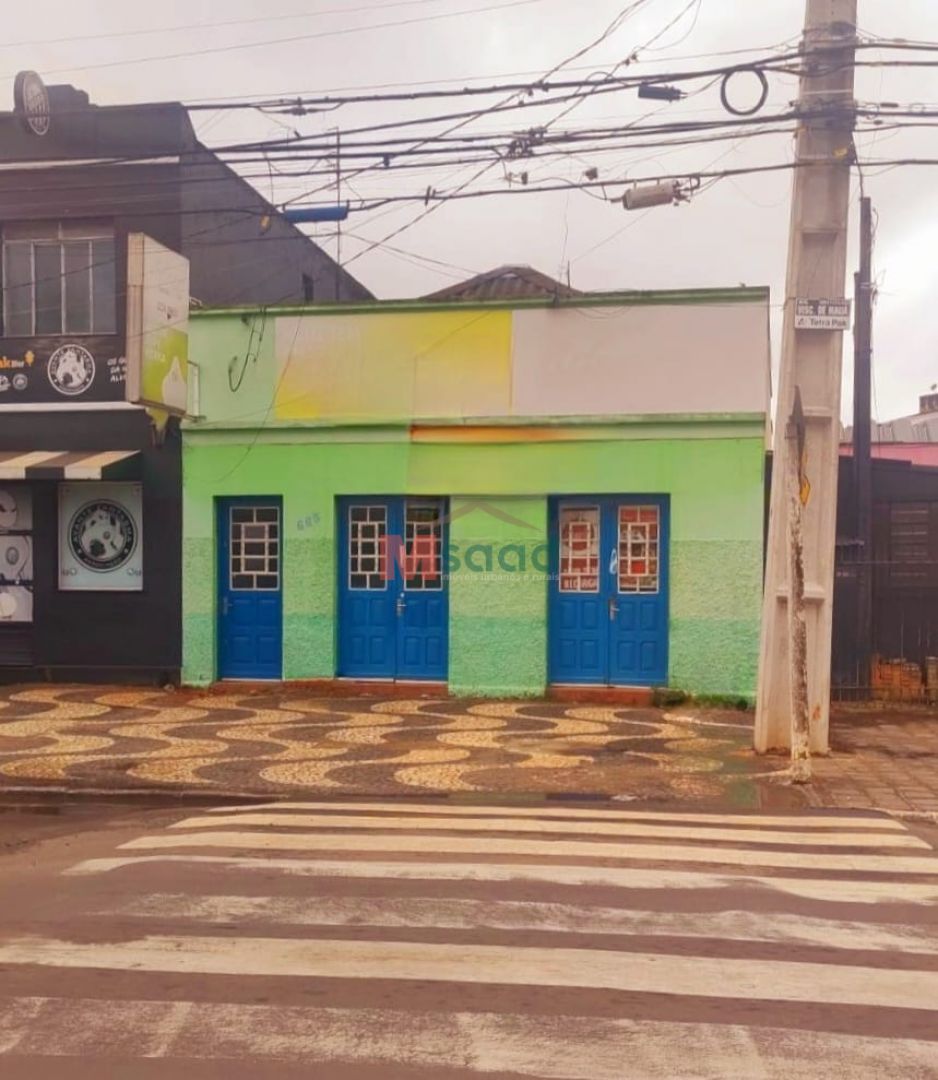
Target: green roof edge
636, 298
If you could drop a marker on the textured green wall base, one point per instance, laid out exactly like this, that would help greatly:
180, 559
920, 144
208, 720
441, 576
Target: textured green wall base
716, 595
498, 624
198, 624
198, 634
715, 656
308, 585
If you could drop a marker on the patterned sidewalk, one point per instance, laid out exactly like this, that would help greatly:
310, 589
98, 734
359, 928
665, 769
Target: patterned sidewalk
286, 741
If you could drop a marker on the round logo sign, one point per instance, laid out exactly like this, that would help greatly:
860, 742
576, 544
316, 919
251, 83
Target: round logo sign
20, 381
31, 100
71, 369
102, 536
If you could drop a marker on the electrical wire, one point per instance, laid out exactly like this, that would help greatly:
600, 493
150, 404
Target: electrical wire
623, 15
267, 43
201, 26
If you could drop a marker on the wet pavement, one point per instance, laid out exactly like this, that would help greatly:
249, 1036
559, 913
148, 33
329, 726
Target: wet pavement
885, 758
106, 738
362, 940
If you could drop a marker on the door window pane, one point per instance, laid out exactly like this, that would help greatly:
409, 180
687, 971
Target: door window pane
423, 547
579, 549
639, 549
368, 547
254, 557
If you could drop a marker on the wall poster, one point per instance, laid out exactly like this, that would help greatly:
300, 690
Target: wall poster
101, 537
16, 554
157, 325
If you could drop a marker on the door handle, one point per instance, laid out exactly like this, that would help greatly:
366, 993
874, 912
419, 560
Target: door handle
224, 606
613, 608
400, 606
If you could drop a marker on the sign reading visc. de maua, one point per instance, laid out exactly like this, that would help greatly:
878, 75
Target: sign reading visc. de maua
822, 314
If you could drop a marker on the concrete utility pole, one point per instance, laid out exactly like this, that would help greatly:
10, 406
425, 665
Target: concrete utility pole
862, 437
812, 354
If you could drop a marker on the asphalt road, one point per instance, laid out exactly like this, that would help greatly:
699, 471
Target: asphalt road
399, 940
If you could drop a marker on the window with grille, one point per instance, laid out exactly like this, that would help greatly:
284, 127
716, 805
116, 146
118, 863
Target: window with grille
911, 543
58, 278
367, 547
255, 548
423, 547
639, 549
579, 549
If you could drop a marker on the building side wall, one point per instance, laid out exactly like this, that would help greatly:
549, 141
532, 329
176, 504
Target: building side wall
498, 622
244, 251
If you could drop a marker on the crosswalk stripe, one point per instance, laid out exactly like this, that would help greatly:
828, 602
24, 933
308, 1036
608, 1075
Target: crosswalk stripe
635, 972
527, 825
486, 846
821, 821
547, 1047
540, 943
458, 914
824, 890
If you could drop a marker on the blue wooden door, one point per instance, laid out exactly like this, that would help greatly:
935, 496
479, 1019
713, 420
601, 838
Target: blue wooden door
637, 538
422, 606
609, 591
579, 623
250, 588
393, 595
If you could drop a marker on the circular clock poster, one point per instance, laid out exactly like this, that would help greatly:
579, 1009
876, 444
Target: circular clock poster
102, 536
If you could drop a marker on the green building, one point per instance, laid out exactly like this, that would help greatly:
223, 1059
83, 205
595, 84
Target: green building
498, 497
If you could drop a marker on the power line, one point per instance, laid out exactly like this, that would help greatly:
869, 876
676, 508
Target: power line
251, 102
630, 9
178, 28
288, 40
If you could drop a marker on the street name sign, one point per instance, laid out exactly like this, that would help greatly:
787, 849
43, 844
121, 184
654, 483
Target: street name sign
822, 314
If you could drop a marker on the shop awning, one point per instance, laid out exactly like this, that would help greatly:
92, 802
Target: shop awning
67, 464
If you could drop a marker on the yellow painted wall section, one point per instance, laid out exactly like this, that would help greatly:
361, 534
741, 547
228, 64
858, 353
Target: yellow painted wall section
394, 366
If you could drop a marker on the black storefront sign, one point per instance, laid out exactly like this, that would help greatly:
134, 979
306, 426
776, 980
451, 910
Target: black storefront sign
64, 372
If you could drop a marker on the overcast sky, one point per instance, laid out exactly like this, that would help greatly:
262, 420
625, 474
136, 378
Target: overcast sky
733, 233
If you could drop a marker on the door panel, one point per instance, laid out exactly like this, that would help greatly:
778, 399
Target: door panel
250, 609
639, 629
393, 594
608, 593
423, 623
579, 635
366, 600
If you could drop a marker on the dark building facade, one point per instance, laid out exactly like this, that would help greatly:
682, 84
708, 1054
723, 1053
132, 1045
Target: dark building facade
90, 488
904, 574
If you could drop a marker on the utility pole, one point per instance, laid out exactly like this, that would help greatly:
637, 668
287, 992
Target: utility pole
812, 356
862, 437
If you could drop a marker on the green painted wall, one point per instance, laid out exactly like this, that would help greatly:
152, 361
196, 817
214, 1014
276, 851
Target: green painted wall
498, 636
498, 626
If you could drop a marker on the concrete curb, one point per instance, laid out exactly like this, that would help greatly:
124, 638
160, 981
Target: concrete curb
23, 796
